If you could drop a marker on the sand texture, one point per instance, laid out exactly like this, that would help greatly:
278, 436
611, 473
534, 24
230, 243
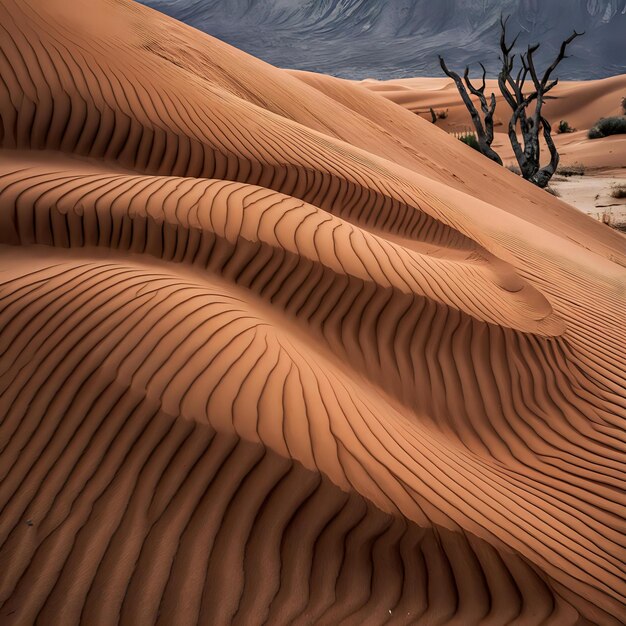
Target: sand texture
275, 350
580, 103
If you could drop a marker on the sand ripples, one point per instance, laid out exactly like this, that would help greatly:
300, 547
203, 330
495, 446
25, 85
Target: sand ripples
251, 373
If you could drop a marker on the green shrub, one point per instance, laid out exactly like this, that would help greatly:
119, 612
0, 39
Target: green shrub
564, 127
470, 140
608, 126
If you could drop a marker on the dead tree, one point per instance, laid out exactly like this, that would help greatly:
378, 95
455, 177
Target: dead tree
484, 126
531, 123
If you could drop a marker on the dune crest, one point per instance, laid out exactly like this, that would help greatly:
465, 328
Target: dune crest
274, 350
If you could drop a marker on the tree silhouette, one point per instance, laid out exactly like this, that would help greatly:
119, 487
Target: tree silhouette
526, 106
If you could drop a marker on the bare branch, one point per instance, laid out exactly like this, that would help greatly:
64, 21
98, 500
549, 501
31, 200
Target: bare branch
543, 176
478, 92
506, 49
531, 123
484, 127
560, 56
526, 105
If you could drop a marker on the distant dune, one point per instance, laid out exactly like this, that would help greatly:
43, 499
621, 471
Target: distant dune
276, 350
581, 104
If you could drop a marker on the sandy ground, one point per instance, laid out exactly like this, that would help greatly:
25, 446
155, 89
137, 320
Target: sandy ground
276, 350
581, 104
594, 195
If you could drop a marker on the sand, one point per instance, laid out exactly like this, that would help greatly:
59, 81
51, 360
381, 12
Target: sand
276, 350
602, 197
580, 103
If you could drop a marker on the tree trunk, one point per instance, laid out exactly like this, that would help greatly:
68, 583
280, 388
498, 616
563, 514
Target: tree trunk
512, 89
483, 133
543, 176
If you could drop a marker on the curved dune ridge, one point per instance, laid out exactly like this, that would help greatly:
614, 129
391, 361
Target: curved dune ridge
275, 350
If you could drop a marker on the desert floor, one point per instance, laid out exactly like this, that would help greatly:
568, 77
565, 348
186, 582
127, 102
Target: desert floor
276, 350
581, 104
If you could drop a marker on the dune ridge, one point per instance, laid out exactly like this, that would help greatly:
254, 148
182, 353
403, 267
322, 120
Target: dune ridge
579, 103
267, 355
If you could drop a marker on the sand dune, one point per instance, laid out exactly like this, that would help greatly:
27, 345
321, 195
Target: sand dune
580, 103
275, 350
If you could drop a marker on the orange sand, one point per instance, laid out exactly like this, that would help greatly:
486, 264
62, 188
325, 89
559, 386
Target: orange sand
276, 350
581, 104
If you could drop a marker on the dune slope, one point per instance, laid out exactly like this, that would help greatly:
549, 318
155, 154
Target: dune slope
275, 350
579, 103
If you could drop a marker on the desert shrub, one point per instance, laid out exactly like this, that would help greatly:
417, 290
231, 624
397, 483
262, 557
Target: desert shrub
608, 126
595, 133
618, 192
564, 127
571, 170
469, 139
439, 115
